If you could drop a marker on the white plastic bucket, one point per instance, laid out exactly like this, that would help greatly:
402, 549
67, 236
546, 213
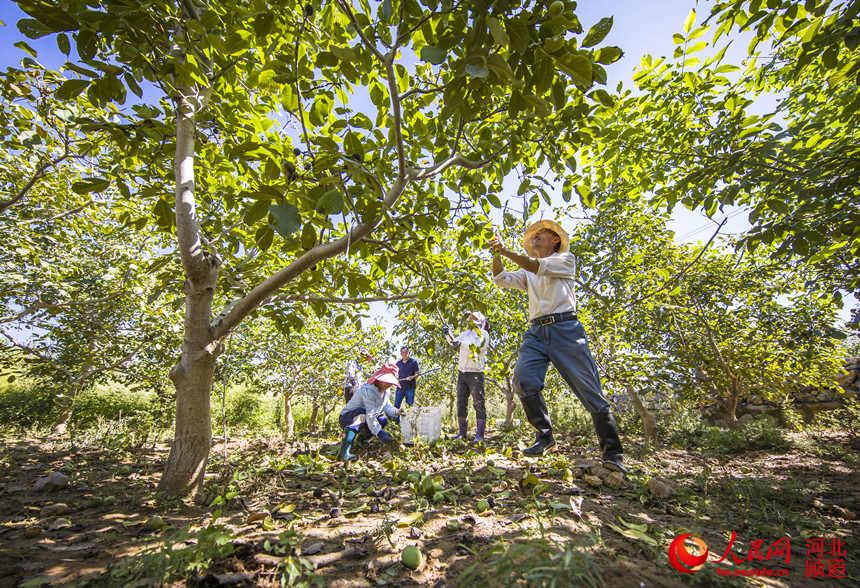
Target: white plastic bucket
422, 422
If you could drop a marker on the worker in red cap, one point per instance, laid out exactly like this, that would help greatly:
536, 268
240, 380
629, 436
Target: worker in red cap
555, 336
369, 410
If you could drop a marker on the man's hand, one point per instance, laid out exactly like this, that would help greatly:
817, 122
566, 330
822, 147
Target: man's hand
496, 246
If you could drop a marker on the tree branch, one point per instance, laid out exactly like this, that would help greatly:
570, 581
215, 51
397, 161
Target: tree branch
4, 204
352, 300
372, 47
241, 308
456, 159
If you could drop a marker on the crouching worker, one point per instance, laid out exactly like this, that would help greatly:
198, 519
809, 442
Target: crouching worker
369, 410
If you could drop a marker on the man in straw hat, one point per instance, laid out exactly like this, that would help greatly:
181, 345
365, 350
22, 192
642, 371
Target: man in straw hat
368, 411
555, 336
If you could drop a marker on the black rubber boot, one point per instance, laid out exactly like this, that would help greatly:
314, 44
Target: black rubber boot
542, 445
462, 425
610, 442
536, 412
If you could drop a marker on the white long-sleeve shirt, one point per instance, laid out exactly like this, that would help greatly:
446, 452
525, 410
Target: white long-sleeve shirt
473, 350
551, 290
374, 403
353, 374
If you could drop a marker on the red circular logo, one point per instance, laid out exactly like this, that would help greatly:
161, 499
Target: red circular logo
682, 559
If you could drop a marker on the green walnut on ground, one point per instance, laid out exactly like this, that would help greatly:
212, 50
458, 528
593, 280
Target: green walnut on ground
411, 557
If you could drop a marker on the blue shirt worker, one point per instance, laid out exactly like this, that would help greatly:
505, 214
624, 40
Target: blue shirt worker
408, 369
369, 410
555, 336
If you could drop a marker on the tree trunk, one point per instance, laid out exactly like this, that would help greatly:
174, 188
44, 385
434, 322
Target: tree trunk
649, 423
192, 375
325, 412
510, 403
289, 423
312, 424
732, 405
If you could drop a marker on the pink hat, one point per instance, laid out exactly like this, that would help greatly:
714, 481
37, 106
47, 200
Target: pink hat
387, 373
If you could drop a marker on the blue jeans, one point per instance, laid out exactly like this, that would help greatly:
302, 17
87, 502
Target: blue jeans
565, 346
347, 420
408, 393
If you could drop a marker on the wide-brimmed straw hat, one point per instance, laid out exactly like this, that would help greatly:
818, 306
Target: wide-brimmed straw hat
545, 224
388, 373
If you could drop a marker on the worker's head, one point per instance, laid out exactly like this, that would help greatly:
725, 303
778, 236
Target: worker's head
475, 318
404, 353
544, 238
385, 377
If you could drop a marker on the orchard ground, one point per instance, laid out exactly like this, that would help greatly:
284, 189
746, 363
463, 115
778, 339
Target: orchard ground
281, 513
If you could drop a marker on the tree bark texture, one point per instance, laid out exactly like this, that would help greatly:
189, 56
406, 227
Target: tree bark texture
289, 422
192, 375
649, 423
510, 402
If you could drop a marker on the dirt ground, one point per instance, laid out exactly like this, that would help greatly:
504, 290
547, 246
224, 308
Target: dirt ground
279, 513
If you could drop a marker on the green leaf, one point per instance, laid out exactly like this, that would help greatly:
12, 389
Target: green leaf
778, 206
23, 46
88, 185
33, 29
519, 34
604, 97
263, 24
164, 216
598, 32
256, 211
86, 42
578, 67
330, 203
585, 195
264, 237
498, 32
477, 70
52, 17
71, 89
309, 236
432, 55
607, 55
320, 110
634, 533
287, 220
63, 43
133, 85
691, 18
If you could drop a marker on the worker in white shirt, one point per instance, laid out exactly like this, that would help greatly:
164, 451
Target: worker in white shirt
472, 358
555, 336
353, 374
